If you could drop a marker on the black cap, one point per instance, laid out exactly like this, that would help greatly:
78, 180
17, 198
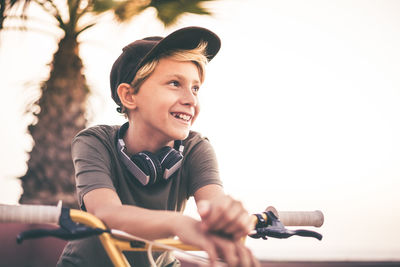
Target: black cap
136, 54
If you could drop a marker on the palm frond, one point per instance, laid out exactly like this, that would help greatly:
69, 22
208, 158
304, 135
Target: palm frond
126, 10
7, 6
168, 11
100, 6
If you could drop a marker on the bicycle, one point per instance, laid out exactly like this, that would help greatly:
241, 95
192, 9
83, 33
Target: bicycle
75, 224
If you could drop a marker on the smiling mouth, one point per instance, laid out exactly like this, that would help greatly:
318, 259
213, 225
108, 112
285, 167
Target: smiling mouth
182, 116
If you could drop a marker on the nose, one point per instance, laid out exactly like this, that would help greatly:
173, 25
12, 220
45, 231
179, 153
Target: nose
189, 98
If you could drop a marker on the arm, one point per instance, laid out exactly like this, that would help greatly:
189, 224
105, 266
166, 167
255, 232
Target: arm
105, 204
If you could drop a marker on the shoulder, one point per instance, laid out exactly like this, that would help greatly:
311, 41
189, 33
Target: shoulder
195, 141
96, 137
194, 138
102, 131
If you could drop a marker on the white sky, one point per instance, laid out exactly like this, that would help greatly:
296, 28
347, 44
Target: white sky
301, 105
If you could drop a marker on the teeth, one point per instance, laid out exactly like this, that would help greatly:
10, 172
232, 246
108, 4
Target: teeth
182, 116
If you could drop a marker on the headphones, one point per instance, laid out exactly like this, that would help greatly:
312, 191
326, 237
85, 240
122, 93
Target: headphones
147, 167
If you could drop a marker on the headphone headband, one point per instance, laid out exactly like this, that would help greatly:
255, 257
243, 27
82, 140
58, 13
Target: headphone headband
136, 171
146, 167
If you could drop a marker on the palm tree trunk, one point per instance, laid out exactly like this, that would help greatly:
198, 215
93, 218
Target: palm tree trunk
50, 175
2, 13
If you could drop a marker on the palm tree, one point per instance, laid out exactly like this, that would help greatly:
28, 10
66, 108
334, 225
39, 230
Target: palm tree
60, 110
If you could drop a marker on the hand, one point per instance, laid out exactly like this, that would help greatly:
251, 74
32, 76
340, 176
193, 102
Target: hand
226, 216
234, 253
190, 232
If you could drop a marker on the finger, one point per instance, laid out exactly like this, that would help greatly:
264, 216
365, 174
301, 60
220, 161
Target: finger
212, 254
241, 223
227, 251
203, 208
193, 235
229, 216
244, 255
254, 261
217, 209
242, 227
211, 251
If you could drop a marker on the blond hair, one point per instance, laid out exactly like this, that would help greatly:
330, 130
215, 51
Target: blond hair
197, 55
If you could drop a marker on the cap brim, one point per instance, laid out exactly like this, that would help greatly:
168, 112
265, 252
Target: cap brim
186, 38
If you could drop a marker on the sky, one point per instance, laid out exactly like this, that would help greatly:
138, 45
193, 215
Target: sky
301, 105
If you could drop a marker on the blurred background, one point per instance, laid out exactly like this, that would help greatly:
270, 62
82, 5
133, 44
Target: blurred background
301, 106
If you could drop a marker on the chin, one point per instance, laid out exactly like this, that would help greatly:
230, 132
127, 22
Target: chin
181, 135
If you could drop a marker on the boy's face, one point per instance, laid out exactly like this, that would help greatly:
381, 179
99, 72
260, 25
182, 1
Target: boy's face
167, 102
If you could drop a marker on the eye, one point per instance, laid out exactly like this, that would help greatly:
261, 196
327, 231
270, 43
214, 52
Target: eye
196, 89
174, 83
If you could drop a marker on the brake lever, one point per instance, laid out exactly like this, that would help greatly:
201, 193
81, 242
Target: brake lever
69, 230
273, 227
80, 232
278, 232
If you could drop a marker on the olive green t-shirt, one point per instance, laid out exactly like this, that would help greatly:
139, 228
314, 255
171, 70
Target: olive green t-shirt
97, 165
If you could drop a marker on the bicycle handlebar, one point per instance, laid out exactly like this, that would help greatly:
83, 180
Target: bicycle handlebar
75, 224
51, 214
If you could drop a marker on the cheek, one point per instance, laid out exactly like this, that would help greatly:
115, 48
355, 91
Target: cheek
196, 112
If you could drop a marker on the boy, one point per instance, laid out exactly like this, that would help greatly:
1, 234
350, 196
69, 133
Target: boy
137, 177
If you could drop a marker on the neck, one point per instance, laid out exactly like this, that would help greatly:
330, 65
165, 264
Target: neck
137, 141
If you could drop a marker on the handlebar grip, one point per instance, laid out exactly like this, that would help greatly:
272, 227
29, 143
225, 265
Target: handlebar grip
30, 213
299, 218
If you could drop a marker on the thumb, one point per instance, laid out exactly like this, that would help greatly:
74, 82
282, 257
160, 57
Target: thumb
203, 208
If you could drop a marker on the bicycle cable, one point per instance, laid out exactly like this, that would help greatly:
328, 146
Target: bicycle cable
150, 256
151, 244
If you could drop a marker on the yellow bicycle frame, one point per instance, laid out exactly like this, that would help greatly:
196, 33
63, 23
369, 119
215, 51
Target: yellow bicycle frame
115, 246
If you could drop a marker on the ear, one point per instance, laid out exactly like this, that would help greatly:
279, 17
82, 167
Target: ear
126, 95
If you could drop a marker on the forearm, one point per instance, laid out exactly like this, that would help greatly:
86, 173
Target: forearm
209, 192
149, 224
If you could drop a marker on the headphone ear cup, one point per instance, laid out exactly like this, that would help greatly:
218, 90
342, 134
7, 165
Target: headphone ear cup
149, 164
168, 158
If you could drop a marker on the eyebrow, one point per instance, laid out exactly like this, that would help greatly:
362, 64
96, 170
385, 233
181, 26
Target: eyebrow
181, 77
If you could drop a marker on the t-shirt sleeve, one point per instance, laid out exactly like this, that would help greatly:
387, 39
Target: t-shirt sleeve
202, 166
92, 166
